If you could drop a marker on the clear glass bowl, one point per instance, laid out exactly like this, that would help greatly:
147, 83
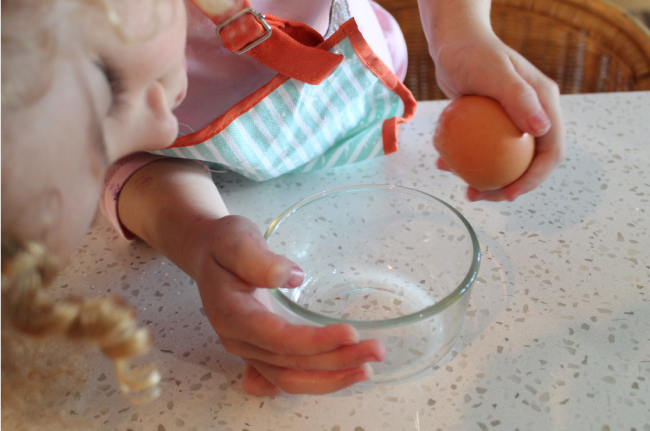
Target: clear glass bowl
395, 263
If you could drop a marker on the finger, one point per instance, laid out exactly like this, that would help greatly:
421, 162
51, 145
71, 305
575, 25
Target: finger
547, 91
342, 358
256, 384
442, 165
447, 89
312, 382
537, 173
490, 195
532, 178
518, 97
549, 148
549, 96
249, 257
260, 327
271, 332
539, 170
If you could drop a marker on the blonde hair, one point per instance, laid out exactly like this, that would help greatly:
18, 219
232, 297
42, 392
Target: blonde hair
109, 322
30, 50
32, 32
32, 47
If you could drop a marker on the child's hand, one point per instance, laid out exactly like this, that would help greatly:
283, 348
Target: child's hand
483, 65
174, 205
233, 260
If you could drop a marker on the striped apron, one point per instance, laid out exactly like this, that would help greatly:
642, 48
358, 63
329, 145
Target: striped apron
333, 102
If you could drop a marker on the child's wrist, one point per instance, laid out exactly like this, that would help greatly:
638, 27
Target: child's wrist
456, 39
455, 23
198, 246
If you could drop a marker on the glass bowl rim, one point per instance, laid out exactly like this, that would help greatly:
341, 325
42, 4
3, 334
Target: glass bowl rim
426, 313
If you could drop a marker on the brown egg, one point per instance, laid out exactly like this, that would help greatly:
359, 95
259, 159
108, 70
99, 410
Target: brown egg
480, 143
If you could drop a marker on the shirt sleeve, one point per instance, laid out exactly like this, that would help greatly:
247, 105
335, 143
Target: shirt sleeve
116, 177
394, 39
382, 33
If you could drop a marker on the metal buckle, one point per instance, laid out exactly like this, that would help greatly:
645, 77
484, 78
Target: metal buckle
260, 17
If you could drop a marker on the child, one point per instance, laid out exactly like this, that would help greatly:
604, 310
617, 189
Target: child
241, 114
84, 83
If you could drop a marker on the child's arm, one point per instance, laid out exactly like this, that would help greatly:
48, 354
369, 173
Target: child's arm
470, 59
174, 206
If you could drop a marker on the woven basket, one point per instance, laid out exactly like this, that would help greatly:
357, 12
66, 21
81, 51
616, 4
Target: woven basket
586, 46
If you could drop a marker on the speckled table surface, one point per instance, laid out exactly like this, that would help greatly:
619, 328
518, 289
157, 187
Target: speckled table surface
557, 333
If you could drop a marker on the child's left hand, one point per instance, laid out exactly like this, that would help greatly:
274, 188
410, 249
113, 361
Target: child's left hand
486, 66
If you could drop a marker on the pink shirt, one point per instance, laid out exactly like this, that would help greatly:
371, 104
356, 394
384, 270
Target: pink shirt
218, 79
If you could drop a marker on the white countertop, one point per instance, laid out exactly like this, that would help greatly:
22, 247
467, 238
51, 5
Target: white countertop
557, 334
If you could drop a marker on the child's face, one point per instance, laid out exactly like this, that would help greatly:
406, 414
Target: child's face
106, 99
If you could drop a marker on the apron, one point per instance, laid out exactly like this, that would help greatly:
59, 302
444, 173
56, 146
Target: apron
332, 103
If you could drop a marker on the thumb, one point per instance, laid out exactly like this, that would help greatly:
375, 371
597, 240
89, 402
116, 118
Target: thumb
440, 164
244, 253
256, 384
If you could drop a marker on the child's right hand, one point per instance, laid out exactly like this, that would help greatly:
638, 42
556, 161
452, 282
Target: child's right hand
232, 261
174, 205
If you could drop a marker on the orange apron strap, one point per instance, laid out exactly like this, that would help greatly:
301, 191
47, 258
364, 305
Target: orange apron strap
285, 46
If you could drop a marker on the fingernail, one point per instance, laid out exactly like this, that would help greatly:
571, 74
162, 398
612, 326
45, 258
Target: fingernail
512, 195
372, 358
473, 196
539, 123
362, 376
297, 277
354, 338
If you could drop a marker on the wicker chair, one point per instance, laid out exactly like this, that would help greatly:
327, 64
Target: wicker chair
586, 46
